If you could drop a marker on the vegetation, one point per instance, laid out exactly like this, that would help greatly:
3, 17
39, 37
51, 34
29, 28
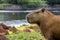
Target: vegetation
24, 35
30, 3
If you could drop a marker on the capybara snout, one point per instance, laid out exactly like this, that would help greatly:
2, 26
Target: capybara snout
32, 17
29, 19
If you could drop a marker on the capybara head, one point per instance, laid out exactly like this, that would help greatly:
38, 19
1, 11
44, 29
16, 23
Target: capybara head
37, 15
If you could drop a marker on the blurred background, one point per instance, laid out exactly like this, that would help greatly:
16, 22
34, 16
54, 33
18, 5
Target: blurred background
13, 12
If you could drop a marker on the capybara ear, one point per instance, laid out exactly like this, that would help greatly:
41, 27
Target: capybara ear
42, 10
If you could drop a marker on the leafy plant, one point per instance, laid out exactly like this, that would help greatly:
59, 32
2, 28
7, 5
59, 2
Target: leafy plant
25, 36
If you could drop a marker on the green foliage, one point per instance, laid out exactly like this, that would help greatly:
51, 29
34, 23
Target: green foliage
33, 35
8, 1
5, 1
25, 36
1, 6
31, 3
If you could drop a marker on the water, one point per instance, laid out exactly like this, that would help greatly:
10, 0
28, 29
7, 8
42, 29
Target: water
12, 15
14, 22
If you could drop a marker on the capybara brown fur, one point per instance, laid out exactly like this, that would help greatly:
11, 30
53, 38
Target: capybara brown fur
48, 23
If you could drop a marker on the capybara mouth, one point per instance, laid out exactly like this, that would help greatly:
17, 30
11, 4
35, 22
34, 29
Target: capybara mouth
31, 22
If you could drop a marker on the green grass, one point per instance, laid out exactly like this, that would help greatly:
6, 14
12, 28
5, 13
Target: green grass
25, 36
33, 35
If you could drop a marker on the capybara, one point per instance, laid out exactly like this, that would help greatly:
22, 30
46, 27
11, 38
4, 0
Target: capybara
48, 23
